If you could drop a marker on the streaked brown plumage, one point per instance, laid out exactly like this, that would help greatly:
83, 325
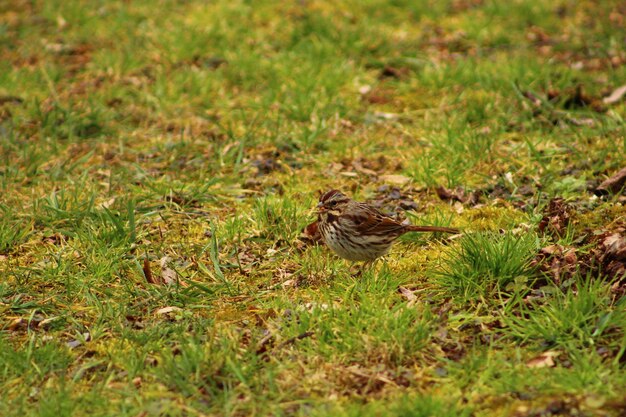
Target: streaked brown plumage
359, 232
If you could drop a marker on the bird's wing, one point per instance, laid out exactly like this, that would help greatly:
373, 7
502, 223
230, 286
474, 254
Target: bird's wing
371, 220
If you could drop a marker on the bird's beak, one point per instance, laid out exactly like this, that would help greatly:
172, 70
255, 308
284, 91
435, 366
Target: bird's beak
320, 206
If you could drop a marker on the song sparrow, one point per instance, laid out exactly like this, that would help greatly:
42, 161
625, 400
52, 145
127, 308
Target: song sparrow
359, 232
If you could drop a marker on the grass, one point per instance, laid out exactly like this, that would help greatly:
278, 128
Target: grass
160, 160
484, 265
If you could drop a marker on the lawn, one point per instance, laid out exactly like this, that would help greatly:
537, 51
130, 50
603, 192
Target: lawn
161, 161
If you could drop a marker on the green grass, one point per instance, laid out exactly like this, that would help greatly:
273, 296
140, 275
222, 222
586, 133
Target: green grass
486, 265
144, 142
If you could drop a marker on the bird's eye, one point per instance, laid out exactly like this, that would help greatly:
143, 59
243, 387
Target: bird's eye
332, 203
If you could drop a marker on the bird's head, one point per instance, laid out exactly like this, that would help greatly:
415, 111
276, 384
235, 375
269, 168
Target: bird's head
332, 202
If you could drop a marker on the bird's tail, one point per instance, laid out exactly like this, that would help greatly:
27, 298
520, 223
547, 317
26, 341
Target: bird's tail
412, 228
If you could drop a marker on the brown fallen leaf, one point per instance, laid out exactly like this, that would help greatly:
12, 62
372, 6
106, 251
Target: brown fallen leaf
556, 217
446, 194
458, 194
311, 235
358, 167
108, 204
559, 261
394, 200
395, 179
85, 337
168, 275
612, 256
612, 185
552, 249
167, 310
615, 246
289, 283
406, 293
545, 360
615, 96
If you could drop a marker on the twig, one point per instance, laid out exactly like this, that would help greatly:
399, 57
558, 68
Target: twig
295, 339
268, 340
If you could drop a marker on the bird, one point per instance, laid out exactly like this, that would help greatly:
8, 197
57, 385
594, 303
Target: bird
358, 231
